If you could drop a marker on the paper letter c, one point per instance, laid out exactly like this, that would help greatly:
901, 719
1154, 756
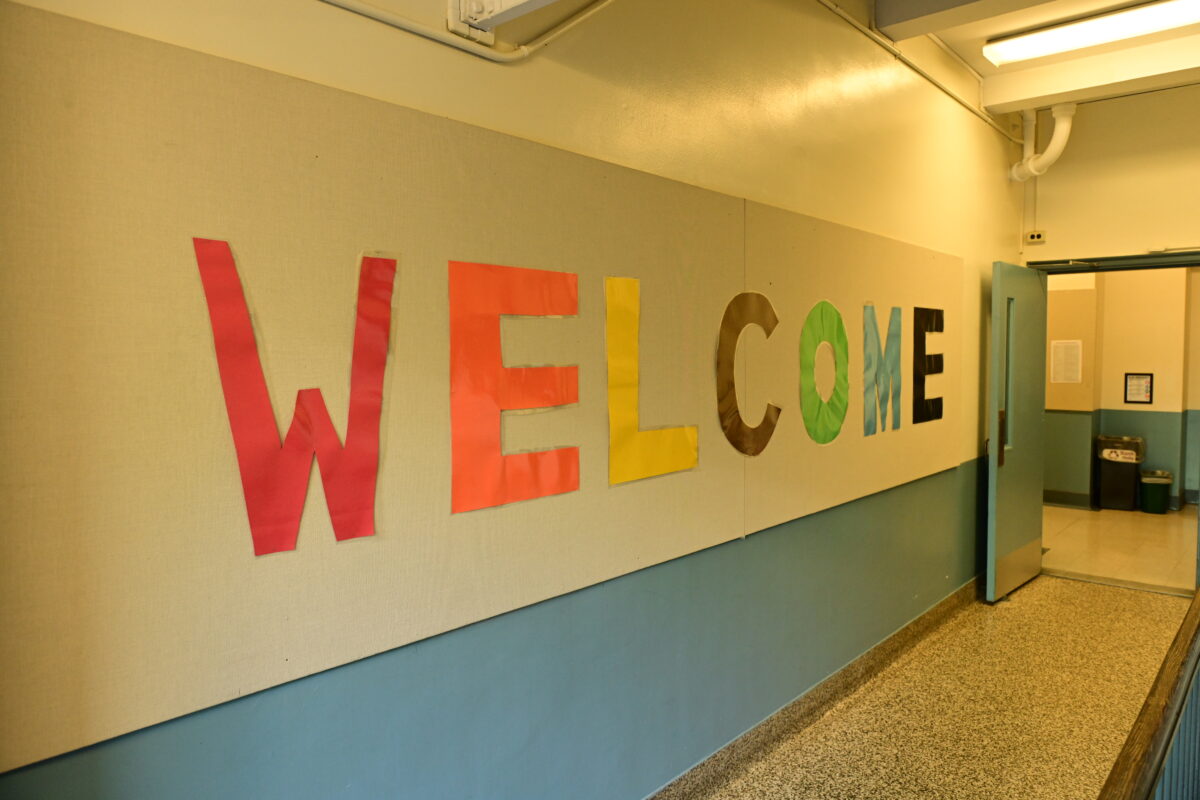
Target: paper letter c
748, 308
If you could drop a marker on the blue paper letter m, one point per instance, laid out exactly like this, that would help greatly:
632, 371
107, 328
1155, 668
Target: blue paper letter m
881, 371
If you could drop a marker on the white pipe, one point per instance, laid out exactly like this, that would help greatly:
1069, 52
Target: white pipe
1029, 118
1064, 115
1033, 164
518, 53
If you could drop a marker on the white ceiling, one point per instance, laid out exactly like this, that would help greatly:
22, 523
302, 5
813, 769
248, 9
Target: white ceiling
1153, 62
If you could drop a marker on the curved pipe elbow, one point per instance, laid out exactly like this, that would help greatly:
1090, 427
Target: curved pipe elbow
1032, 166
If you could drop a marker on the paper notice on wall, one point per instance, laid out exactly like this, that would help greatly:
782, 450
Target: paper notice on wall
1066, 361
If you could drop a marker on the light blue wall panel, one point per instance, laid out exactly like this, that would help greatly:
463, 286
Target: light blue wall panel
1191, 466
604, 694
1068, 475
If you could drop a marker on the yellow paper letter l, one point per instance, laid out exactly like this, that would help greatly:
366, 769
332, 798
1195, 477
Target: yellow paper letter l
634, 453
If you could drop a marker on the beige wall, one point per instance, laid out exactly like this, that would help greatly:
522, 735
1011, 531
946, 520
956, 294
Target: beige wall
1144, 320
1128, 181
1071, 314
1152, 322
781, 103
132, 147
1071, 280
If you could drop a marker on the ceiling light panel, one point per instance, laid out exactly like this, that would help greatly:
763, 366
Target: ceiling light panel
1115, 27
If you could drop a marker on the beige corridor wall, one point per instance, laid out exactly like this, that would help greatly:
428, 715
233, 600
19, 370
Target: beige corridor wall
781, 104
1128, 181
1072, 314
124, 149
1144, 322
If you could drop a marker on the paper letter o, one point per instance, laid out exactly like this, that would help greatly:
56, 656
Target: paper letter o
823, 418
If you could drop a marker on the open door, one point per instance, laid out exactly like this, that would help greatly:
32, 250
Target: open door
1016, 405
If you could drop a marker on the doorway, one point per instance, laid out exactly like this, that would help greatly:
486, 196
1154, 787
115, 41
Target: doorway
1122, 360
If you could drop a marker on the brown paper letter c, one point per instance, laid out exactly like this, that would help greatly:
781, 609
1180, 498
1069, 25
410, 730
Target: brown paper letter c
748, 308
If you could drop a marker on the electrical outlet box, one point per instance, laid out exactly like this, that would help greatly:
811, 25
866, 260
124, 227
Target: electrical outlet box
1035, 237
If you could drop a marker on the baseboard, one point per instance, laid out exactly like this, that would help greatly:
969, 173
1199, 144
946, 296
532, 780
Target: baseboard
715, 771
1177, 591
1073, 499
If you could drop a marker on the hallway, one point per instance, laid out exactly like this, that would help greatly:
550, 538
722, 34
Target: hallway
525, 400
1030, 698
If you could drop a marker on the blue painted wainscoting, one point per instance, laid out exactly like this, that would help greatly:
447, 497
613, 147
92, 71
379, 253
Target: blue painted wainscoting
1191, 463
1068, 475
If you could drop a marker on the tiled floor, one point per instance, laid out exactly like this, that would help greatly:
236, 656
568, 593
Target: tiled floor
1123, 547
1030, 698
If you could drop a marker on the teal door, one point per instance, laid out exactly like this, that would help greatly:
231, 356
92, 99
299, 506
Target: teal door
1016, 402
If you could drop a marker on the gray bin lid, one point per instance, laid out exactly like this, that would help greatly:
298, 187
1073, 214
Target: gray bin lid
1157, 476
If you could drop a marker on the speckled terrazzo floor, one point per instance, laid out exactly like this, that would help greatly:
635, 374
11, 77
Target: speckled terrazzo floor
1031, 698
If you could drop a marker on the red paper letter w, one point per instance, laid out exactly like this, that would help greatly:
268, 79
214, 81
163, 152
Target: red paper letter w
275, 476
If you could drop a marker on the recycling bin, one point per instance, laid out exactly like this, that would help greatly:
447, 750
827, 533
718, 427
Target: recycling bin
1156, 490
1118, 459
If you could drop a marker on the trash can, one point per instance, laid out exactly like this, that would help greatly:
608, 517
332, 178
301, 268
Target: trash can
1119, 457
1156, 490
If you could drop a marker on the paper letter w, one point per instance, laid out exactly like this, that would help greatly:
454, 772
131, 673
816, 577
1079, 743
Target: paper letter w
274, 475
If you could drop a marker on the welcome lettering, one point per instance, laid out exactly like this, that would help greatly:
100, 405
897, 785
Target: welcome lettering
275, 473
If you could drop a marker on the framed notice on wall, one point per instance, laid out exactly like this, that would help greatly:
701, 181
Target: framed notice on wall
1139, 387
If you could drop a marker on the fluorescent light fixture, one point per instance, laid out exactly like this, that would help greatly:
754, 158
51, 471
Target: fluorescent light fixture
1114, 27
487, 14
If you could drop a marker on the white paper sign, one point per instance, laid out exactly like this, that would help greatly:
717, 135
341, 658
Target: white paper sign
1066, 361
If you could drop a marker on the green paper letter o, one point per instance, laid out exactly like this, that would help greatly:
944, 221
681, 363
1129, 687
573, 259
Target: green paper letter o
822, 418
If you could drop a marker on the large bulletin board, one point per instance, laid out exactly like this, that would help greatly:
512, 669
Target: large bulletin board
130, 591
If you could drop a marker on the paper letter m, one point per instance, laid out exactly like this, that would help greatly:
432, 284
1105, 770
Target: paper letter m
275, 474
881, 371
